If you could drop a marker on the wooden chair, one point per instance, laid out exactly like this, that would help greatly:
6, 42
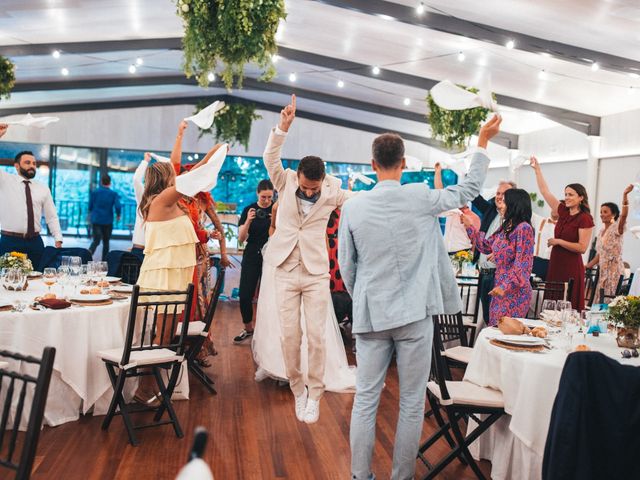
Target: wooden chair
549, 291
13, 457
591, 277
470, 308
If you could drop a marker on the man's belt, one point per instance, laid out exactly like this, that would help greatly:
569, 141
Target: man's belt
487, 271
24, 236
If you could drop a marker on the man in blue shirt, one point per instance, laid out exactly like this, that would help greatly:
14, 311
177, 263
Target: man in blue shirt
102, 202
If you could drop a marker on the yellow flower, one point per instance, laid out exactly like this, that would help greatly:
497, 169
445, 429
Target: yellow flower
18, 255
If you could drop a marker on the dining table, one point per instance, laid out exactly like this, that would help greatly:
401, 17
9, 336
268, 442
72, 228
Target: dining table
79, 382
529, 382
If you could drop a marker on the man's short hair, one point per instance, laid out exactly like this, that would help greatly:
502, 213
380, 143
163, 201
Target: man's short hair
312, 168
19, 155
508, 182
388, 150
105, 179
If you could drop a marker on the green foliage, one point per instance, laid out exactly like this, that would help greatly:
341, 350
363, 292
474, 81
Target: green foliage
625, 311
232, 124
534, 199
455, 127
7, 77
231, 32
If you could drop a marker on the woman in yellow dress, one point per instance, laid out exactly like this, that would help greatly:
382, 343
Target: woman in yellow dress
170, 240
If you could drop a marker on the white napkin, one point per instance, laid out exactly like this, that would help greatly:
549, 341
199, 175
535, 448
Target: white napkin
30, 121
204, 178
160, 158
196, 469
413, 163
204, 118
363, 178
517, 162
635, 231
449, 96
458, 163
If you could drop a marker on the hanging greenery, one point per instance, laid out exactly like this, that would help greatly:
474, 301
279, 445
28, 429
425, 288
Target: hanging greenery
534, 199
232, 124
231, 32
455, 127
7, 77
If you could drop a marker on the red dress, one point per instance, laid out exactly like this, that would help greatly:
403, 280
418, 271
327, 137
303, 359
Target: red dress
336, 283
564, 264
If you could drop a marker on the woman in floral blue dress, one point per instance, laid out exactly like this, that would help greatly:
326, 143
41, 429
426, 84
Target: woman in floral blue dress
512, 249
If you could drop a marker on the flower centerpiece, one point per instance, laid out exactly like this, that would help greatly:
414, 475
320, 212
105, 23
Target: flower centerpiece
16, 260
460, 258
624, 312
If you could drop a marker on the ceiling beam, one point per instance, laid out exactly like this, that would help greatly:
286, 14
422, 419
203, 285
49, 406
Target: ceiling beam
505, 139
487, 33
588, 124
193, 100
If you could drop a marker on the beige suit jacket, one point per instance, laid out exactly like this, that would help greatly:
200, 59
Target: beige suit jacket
308, 233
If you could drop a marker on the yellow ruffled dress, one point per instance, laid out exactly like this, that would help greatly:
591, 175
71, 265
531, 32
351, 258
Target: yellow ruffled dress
169, 255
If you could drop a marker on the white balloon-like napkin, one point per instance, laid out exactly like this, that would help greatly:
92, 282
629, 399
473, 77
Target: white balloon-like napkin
204, 118
30, 121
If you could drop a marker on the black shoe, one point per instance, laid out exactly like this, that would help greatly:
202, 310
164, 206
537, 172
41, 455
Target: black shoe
243, 336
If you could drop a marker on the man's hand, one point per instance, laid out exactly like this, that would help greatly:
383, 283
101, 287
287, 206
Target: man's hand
147, 157
251, 215
3, 128
437, 167
287, 115
59, 244
497, 292
533, 161
489, 130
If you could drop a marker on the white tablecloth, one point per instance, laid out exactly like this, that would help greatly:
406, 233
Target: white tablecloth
635, 284
79, 381
529, 383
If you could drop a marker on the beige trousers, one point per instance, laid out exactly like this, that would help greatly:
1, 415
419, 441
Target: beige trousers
294, 285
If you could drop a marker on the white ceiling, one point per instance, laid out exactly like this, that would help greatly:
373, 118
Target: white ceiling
607, 26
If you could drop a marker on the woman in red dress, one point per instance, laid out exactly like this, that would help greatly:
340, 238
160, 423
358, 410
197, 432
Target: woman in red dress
572, 235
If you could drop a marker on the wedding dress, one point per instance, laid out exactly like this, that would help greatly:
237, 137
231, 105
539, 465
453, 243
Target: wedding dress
267, 351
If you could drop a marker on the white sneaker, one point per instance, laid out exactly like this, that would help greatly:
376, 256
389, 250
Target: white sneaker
312, 412
301, 405
261, 374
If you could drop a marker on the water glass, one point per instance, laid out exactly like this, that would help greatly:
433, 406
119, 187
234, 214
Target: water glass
49, 277
65, 261
75, 262
63, 277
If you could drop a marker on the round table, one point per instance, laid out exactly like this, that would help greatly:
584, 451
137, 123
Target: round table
79, 380
529, 383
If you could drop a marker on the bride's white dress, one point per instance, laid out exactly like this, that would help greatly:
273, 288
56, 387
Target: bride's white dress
267, 351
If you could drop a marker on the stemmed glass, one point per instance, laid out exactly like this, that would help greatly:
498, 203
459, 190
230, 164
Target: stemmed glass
63, 277
49, 277
548, 310
571, 324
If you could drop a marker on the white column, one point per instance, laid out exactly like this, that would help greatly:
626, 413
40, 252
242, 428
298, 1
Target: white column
593, 161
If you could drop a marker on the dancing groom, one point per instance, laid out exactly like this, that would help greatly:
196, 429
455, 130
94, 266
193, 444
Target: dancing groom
298, 251
395, 266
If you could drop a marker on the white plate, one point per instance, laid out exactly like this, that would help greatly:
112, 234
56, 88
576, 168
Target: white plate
34, 274
123, 288
521, 340
112, 279
90, 298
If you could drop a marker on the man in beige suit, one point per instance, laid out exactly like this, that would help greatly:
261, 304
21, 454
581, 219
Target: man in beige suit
298, 251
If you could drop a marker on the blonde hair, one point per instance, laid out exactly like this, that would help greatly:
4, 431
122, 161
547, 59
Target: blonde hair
158, 177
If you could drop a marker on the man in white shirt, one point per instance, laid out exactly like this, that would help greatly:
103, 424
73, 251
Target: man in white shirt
24, 202
544, 228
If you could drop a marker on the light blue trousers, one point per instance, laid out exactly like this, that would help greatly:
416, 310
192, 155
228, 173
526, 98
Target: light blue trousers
412, 344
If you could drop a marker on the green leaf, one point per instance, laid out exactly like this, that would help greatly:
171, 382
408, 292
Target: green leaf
7, 77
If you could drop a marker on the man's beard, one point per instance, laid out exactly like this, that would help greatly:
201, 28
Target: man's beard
28, 173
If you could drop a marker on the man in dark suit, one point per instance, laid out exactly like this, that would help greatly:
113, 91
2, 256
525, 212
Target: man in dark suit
492, 211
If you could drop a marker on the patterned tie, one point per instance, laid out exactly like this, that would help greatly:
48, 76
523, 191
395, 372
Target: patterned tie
31, 227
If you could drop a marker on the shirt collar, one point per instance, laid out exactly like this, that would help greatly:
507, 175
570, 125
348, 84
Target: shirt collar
387, 183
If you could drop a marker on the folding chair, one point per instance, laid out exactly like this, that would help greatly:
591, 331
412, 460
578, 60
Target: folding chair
591, 277
143, 354
197, 333
622, 288
470, 308
129, 268
549, 291
452, 329
459, 399
17, 386
52, 257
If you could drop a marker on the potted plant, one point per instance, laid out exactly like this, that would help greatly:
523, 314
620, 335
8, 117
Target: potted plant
624, 312
455, 127
7, 77
231, 32
232, 124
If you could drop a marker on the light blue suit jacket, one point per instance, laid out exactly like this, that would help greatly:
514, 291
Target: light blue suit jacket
391, 251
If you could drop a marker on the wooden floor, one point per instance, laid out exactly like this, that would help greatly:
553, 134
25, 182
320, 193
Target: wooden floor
253, 431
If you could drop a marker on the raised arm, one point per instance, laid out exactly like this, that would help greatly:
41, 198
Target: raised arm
176, 151
138, 176
3, 129
437, 177
622, 221
347, 253
272, 157
543, 187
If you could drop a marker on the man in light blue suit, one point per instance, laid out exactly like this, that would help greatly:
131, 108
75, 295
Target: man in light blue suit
395, 266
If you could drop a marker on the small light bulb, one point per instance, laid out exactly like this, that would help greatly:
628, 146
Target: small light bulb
376, 70
340, 84
510, 44
407, 102
292, 77
275, 58
211, 76
595, 67
139, 61
461, 57
64, 71
132, 69
56, 54
542, 75
420, 8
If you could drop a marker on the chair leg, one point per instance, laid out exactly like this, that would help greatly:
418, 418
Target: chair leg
435, 408
455, 428
166, 398
203, 377
117, 382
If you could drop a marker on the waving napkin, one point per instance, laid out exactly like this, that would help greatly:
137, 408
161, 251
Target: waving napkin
30, 121
449, 96
516, 162
363, 178
204, 178
413, 163
204, 118
160, 158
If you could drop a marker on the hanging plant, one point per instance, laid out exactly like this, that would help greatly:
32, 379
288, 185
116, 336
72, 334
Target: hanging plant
455, 127
232, 32
7, 77
534, 199
232, 124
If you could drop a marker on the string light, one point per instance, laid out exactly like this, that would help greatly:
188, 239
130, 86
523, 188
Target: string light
132, 69
275, 58
407, 102
64, 71
510, 44
376, 70
211, 76
542, 75
461, 57
340, 84
139, 61
420, 8
292, 77
55, 54
595, 67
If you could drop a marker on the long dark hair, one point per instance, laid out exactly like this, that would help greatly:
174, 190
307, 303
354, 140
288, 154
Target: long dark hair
582, 192
518, 205
615, 210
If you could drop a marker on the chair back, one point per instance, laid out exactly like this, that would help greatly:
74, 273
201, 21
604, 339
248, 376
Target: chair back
213, 302
153, 320
451, 329
624, 285
16, 385
439, 370
470, 305
591, 276
129, 268
550, 291
52, 257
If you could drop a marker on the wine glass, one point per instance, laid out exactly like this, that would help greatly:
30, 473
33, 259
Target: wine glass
571, 319
49, 277
548, 310
65, 261
75, 262
63, 277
